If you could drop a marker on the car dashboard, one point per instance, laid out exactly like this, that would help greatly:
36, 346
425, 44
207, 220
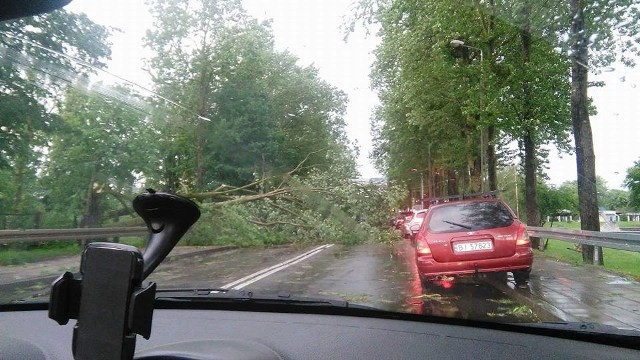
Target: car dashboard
228, 334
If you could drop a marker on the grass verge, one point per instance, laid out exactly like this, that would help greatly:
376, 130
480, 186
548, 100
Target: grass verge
17, 254
619, 261
576, 224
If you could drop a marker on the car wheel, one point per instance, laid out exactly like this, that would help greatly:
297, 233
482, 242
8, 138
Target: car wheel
521, 276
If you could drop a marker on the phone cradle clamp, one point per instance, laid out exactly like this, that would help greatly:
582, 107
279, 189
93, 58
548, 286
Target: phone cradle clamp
109, 300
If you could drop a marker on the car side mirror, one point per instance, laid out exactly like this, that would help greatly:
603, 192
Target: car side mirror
415, 228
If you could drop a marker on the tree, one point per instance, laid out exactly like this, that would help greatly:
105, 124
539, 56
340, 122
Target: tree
435, 99
632, 182
257, 138
615, 199
256, 112
585, 157
598, 28
103, 150
40, 51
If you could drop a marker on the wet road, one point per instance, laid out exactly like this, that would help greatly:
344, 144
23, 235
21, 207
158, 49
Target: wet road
378, 275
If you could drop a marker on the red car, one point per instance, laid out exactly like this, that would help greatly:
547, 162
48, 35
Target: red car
470, 237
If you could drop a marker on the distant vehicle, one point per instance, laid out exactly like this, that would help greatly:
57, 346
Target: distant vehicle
403, 216
468, 237
412, 225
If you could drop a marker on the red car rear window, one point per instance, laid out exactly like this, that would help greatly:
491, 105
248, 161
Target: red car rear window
469, 216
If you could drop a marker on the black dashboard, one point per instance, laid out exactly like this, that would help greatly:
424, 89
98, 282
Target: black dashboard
224, 334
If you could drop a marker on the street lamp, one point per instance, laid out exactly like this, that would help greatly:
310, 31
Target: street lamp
455, 43
459, 43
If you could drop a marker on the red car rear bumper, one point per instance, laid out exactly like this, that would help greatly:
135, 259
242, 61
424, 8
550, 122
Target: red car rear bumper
430, 269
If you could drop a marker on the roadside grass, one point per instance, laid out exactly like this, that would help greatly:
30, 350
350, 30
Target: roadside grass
22, 253
618, 261
576, 224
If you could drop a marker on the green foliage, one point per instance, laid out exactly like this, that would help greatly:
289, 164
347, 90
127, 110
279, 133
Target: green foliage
256, 113
36, 50
435, 98
632, 182
230, 226
104, 148
551, 201
30, 83
321, 206
614, 199
233, 112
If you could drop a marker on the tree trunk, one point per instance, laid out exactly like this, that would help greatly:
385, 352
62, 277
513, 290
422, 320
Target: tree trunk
18, 196
530, 167
452, 182
91, 214
585, 157
429, 184
171, 179
492, 160
475, 176
528, 140
199, 155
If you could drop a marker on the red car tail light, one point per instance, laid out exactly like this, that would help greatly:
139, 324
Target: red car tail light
422, 248
523, 236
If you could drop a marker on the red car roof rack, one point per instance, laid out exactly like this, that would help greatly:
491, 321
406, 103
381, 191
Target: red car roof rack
451, 198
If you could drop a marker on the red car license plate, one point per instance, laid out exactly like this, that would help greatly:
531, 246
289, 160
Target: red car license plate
472, 246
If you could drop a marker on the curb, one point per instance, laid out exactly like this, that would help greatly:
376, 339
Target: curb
200, 252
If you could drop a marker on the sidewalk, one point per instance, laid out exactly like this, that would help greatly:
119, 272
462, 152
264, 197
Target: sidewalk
581, 293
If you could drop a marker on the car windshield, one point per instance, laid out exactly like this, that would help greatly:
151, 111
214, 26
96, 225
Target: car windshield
468, 216
306, 130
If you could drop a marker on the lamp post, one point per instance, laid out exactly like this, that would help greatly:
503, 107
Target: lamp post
506, 183
515, 179
421, 184
483, 141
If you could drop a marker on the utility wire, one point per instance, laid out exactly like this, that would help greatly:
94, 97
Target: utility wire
92, 67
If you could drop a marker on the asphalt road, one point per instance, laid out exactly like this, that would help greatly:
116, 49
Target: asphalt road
378, 275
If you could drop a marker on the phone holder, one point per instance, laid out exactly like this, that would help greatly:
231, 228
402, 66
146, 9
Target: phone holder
108, 299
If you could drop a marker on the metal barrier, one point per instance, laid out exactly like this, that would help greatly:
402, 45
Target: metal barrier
613, 240
36, 235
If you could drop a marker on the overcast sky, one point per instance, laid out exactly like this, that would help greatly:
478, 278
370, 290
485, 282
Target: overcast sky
311, 29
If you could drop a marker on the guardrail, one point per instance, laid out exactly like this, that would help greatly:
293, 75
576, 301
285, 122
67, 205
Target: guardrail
36, 235
613, 240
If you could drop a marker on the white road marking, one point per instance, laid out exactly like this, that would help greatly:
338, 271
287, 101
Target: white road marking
250, 279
